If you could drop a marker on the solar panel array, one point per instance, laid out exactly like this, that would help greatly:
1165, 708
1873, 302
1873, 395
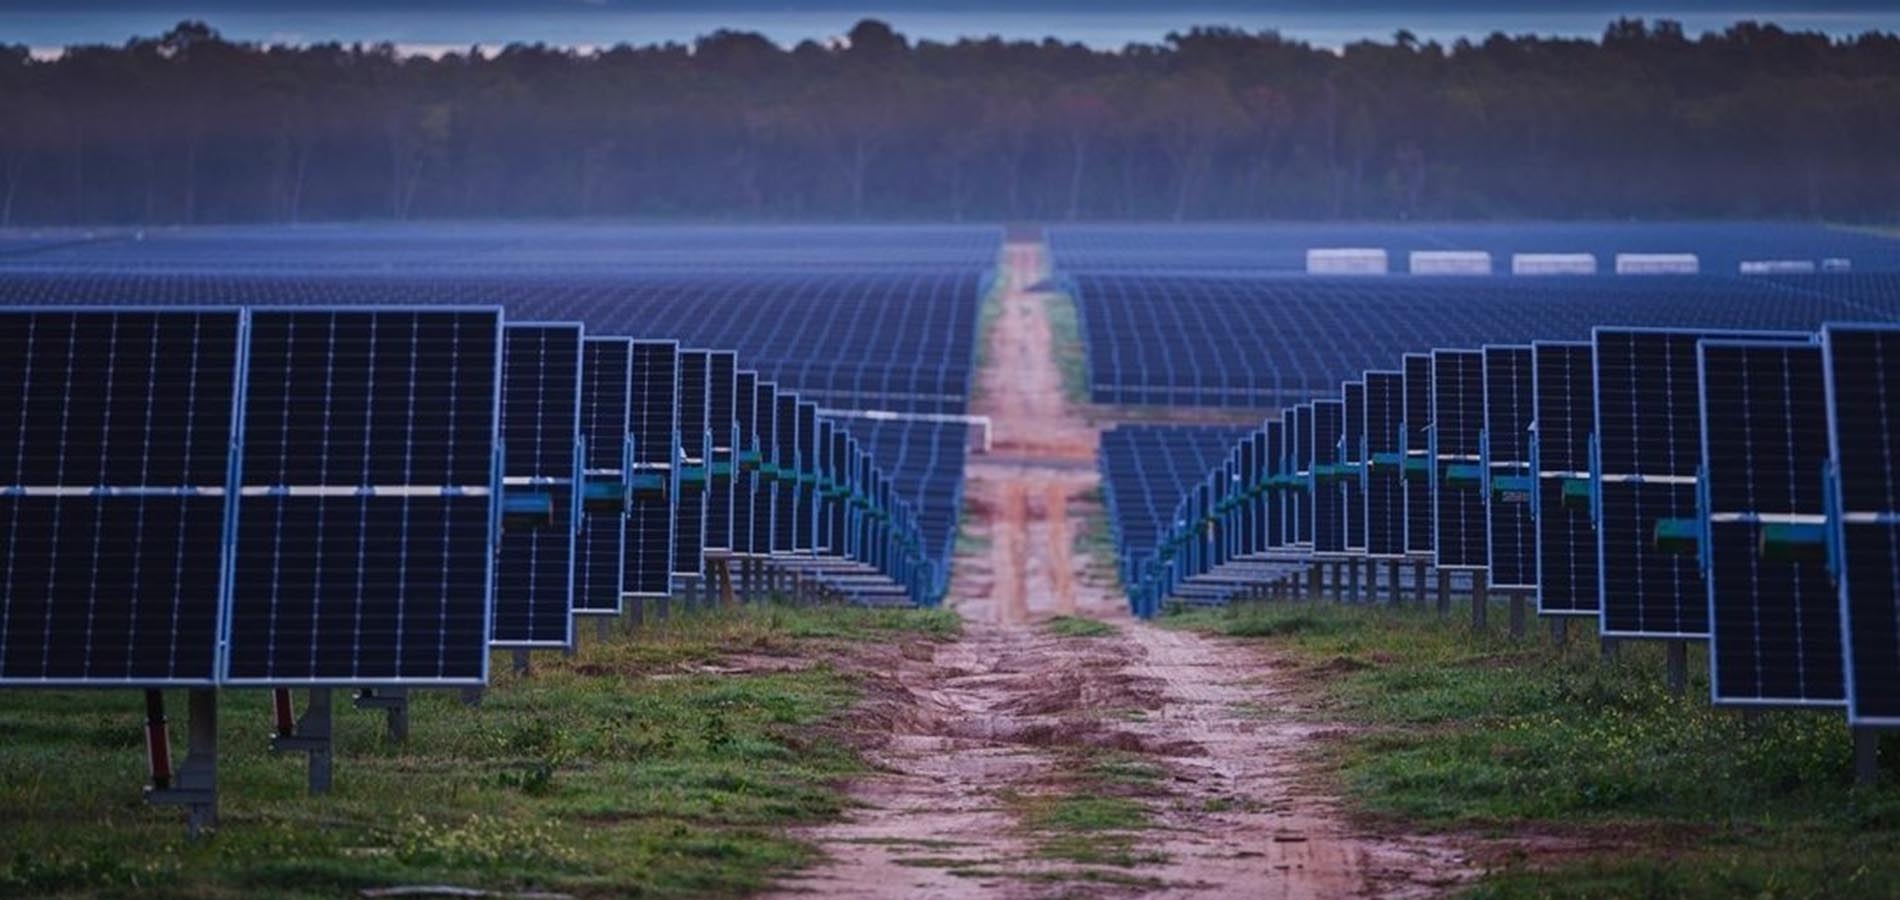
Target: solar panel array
1199, 339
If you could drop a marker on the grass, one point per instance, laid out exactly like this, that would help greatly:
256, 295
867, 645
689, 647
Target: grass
1097, 815
1079, 626
622, 770
1065, 337
1483, 732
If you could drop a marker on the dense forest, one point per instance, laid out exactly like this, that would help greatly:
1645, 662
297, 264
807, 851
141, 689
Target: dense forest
1647, 122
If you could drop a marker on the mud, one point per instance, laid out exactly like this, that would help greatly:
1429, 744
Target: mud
961, 733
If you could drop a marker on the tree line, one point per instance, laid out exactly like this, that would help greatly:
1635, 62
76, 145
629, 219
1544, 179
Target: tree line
1646, 122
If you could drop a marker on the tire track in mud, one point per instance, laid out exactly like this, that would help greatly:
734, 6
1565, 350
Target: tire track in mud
961, 734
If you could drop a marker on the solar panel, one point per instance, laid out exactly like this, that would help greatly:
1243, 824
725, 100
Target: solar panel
805, 476
745, 459
606, 385
540, 435
1352, 455
1246, 515
1278, 535
1512, 557
1299, 498
1460, 540
1325, 478
654, 419
1649, 447
365, 525
115, 493
824, 534
1384, 474
723, 422
1774, 615
690, 508
1415, 435
764, 478
1563, 398
785, 459
1863, 386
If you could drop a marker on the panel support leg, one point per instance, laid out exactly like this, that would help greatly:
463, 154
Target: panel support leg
1392, 582
1517, 616
1444, 592
1317, 582
1678, 655
394, 702
311, 737
1866, 756
1608, 649
1559, 632
1352, 580
523, 663
728, 597
1418, 582
194, 785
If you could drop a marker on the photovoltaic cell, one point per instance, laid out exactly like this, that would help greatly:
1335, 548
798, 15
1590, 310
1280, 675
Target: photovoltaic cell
115, 492
1649, 448
1278, 535
1460, 540
606, 386
654, 411
1564, 419
1508, 410
1863, 386
1415, 432
806, 451
540, 434
1384, 473
365, 521
1774, 615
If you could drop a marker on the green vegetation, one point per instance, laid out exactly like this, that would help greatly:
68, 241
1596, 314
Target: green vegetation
1486, 732
629, 768
1097, 816
987, 315
1065, 338
1079, 626
1095, 540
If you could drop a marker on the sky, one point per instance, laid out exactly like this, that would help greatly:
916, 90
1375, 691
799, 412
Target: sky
433, 25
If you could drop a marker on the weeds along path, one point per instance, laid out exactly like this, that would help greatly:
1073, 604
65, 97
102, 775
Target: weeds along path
1044, 755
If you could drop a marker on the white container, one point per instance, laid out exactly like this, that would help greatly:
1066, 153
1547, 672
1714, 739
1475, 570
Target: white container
1777, 266
1450, 262
1553, 264
1346, 261
1657, 264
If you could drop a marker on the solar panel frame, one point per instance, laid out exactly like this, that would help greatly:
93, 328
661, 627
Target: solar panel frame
1353, 457
745, 459
1326, 490
1511, 530
549, 619
1276, 508
17, 488
808, 455
1771, 621
607, 438
1654, 594
652, 514
785, 455
243, 663
1415, 447
1300, 498
1460, 538
1863, 434
1563, 438
695, 437
722, 387
1384, 483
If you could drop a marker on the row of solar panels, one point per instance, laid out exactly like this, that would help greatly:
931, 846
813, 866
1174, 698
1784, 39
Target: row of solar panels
376, 496
1740, 487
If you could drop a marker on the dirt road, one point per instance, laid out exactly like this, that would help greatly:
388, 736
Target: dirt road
977, 744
